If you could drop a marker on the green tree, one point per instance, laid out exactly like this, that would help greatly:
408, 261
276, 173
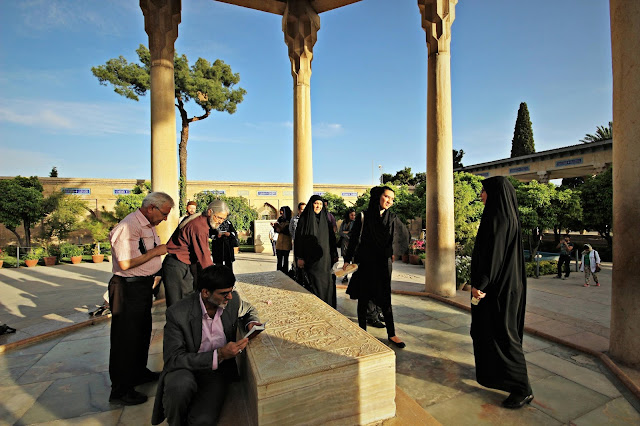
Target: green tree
597, 204
387, 177
522, 143
567, 207
467, 208
406, 205
457, 159
335, 205
209, 85
126, 204
241, 214
65, 214
602, 134
53, 172
21, 203
535, 205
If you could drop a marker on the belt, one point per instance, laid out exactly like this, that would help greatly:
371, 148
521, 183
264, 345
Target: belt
138, 279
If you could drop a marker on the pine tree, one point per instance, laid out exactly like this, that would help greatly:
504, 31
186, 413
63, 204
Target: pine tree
522, 143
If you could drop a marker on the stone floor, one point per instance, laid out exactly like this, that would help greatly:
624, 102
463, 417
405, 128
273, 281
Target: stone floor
64, 379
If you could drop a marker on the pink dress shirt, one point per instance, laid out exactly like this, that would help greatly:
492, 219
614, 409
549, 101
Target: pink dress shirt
125, 245
212, 333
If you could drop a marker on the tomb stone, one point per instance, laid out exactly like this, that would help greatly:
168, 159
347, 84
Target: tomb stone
311, 365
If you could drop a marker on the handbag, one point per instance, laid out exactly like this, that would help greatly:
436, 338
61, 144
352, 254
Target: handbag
598, 269
302, 278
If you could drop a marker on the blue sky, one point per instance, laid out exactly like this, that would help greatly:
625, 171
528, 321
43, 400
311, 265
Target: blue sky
368, 86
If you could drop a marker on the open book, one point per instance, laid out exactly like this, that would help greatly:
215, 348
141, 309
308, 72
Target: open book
257, 329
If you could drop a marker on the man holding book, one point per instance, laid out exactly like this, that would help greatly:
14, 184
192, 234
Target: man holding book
200, 348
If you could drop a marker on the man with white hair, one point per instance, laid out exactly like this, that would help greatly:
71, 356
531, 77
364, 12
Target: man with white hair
189, 245
136, 250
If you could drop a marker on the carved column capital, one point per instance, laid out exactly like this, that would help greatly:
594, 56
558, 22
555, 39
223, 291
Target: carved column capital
437, 17
300, 24
161, 20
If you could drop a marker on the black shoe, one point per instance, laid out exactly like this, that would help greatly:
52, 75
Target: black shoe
515, 401
558, 276
147, 376
400, 345
376, 324
131, 397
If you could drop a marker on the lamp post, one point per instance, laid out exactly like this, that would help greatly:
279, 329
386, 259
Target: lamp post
380, 169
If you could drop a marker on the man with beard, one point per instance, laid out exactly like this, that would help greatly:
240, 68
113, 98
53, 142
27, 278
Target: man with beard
200, 349
189, 245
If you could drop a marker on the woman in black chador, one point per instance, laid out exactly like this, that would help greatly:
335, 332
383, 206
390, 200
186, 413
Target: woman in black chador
373, 249
315, 249
499, 282
224, 239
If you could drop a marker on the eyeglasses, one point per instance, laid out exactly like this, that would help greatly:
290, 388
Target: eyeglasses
224, 294
161, 212
218, 218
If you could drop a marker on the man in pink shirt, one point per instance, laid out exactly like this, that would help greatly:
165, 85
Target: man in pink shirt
200, 349
136, 251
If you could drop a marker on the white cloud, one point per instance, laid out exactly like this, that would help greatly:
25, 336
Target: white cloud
76, 117
327, 130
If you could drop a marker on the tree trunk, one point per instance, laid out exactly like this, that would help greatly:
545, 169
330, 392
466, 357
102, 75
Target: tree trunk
27, 232
17, 237
182, 155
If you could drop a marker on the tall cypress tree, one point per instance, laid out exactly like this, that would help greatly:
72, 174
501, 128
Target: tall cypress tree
522, 143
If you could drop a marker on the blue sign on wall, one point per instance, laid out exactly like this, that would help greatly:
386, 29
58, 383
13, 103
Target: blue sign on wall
483, 174
571, 162
349, 194
215, 191
82, 191
287, 193
519, 169
243, 193
121, 191
267, 193
320, 193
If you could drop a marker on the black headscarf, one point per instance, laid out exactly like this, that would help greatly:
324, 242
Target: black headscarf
286, 210
381, 229
313, 232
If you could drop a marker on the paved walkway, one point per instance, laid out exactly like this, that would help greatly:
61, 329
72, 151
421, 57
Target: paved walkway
64, 379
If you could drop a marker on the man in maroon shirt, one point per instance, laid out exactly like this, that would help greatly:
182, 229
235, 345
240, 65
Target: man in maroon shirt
189, 245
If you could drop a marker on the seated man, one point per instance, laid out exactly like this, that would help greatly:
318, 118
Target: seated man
200, 350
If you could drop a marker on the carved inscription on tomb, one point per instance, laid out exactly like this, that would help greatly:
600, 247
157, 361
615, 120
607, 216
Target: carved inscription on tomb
303, 334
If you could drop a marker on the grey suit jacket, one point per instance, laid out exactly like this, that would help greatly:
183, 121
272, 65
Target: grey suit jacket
183, 334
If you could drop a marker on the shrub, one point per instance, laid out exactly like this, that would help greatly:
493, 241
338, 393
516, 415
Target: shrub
463, 269
69, 250
34, 254
547, 267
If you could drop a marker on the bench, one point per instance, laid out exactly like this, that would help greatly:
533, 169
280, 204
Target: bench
311, 365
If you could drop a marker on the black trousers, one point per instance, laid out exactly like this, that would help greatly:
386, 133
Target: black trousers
282, 260
178, 279
130, 300
194, 397
565, 260
363, 312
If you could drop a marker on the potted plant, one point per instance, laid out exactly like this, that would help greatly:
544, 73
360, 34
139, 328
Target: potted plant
3, 256
96, 256
415, 249
72, 251
463, 272
49, 255
33, 256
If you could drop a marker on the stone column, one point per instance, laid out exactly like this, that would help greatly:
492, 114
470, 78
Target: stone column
161, 19
625, 302
437, 17
300, 24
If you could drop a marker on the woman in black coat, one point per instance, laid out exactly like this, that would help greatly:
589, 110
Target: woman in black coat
499, 289
315, 249
373, 249
224, 239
